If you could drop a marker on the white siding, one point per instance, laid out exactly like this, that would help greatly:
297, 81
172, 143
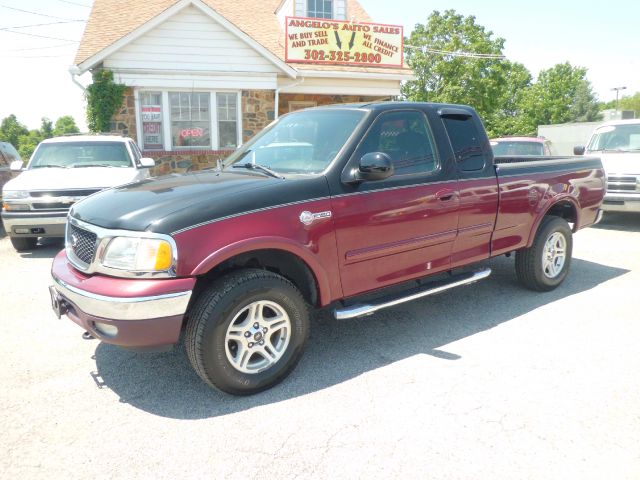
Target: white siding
189, 41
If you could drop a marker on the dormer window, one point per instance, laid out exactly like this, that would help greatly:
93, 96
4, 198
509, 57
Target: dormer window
320, 8
331, 9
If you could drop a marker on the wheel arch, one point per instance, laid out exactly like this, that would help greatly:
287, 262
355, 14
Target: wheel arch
278, 255
565, 207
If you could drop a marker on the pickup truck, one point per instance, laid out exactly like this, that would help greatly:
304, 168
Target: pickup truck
350, 207
62, 171
618, 144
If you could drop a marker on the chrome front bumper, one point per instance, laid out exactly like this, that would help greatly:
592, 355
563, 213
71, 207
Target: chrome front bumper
122, 308
53, 225
621, 202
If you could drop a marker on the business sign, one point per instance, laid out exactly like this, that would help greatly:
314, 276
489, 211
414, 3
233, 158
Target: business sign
151, 114
322, 41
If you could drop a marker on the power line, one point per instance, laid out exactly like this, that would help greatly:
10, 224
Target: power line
36, 13
38, 48
41, 36
74, 3
458, 54
40, 24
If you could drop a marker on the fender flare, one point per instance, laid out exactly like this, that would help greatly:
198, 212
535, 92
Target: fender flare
554, 201
271, 243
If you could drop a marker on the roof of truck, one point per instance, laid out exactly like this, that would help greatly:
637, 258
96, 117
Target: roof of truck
86, 138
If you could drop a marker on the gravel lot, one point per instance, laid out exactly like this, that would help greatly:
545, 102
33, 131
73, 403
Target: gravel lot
489, 381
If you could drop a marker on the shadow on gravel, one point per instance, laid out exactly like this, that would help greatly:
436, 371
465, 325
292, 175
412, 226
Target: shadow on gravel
47, 248
164, 383
624, 222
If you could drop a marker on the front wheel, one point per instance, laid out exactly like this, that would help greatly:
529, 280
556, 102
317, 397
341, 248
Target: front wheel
23, 244
545, 265
247, 332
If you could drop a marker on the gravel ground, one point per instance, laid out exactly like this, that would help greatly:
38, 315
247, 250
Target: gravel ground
488, 381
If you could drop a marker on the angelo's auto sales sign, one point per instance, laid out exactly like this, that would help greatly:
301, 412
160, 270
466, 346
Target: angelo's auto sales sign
316, 40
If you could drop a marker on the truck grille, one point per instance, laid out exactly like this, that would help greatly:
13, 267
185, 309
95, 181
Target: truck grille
621, 184
83, 243
63, 193
51, 206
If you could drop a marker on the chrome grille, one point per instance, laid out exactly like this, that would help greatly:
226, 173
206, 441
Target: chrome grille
63, 193
83, 243
621, 184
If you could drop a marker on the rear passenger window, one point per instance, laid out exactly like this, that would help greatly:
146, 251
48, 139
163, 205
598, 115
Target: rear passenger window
406, 138
466, 143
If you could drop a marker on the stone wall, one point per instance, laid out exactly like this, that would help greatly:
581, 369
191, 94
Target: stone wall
124, 122
257, 111
285, 98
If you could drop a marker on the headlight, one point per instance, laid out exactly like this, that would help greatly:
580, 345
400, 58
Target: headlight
14, 194
138, 254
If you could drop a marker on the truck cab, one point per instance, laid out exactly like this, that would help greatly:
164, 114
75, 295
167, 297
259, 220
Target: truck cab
617, 143
61, 172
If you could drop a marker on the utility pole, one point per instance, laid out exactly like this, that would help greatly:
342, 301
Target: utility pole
617, 90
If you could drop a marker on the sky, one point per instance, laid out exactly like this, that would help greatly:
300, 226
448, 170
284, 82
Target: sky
35, 81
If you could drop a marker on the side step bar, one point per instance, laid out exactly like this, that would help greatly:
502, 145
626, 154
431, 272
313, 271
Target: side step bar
360, 310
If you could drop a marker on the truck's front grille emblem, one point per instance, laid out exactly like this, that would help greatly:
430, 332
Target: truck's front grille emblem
83, 243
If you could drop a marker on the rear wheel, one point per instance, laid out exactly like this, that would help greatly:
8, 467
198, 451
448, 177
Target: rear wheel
247, 332
545, 265
22, 244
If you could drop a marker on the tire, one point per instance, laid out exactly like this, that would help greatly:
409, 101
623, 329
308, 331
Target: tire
540, 267
219, 331
23, 244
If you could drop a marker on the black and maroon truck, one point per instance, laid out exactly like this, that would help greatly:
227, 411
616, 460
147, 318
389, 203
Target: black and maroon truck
325, 208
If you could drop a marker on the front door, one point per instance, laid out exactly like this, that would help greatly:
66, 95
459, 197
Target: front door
403, 227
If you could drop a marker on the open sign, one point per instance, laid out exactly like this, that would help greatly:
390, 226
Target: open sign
191, 132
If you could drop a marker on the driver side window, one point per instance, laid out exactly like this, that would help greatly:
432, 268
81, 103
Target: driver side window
406, 137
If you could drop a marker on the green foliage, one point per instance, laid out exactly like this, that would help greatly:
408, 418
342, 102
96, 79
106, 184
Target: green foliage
25, 140
65, 125
561, 94
104, 99
506, 119
455, 79
629, 103
11, 130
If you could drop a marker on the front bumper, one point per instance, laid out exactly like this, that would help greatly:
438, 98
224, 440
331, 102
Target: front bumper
134, 313
37, 224
621, 202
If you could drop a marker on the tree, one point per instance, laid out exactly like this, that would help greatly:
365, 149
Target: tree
450, 78
11, 130
630, 103
46, 128
28, 143
65, 125
561, 94
104, 99
507, 118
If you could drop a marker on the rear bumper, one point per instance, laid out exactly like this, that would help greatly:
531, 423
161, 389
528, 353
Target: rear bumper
132, 313
38, 224
621, 202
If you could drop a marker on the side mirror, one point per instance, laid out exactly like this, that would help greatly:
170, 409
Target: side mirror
375, 166
147, 162
16, 166
578, 150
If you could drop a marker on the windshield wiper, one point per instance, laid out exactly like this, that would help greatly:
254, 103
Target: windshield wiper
87, 165
257, 166
49, 165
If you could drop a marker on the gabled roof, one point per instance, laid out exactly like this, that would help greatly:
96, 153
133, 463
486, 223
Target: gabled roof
112, 21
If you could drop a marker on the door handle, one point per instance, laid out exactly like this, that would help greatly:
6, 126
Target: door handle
445, 195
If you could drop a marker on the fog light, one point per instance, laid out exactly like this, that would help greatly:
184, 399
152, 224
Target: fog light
15, 207
106, 329
21, 230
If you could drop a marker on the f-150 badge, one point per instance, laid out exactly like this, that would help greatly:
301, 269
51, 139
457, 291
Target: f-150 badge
308, 218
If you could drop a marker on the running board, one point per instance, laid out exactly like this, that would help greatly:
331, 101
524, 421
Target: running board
360, 310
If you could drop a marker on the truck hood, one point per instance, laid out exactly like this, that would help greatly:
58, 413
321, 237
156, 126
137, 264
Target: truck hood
620, 163
71, 178
181, 201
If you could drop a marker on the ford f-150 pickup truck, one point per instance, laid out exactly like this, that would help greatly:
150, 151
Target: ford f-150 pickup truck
325, 208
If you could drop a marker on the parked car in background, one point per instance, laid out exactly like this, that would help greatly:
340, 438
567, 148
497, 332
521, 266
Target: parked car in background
8, 155
515, 146
61, 172
617, 143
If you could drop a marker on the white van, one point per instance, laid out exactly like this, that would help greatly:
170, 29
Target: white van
62, 171
617, 143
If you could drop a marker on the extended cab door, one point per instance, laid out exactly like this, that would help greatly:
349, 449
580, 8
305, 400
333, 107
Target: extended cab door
403, 227
477, 184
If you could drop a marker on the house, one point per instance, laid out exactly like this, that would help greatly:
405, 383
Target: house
204, 76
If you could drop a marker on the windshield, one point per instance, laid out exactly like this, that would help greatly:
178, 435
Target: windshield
81, 154
517, 148
618, 138
304, 142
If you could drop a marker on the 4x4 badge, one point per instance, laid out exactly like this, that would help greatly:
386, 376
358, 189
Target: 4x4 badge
308, 218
